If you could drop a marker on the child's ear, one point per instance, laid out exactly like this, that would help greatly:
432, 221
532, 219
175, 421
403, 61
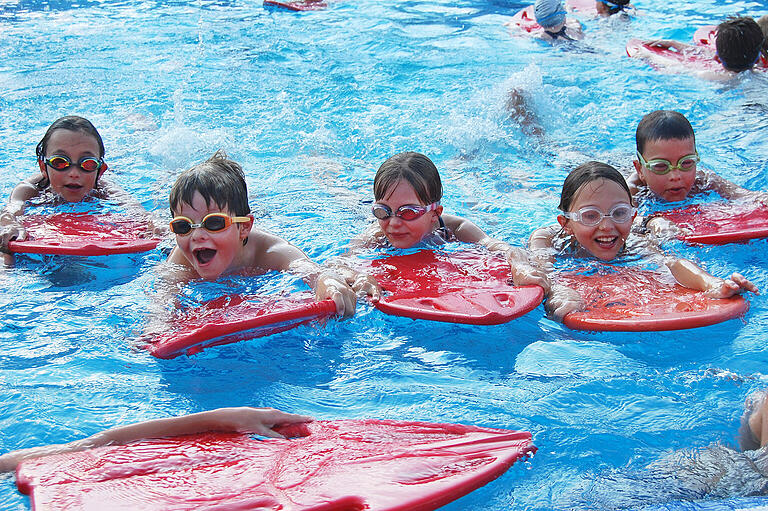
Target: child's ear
639, 170
42, 166
245, 227
439, 210
563, 223
103, 169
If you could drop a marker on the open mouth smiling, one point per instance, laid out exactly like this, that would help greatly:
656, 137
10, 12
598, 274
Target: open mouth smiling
204, 255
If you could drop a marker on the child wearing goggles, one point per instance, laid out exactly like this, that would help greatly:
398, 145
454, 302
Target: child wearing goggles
407, 190
666, 166
215, 234
667, 160
596, 221
70, 157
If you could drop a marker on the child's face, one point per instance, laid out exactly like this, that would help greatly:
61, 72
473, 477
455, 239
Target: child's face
210, 253
72, 183
607, 238
406, 233
675, 185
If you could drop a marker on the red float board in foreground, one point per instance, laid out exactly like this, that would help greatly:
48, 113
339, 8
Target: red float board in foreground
720, 223
335, 465
456, 287
83, 234
635, 300
234, 318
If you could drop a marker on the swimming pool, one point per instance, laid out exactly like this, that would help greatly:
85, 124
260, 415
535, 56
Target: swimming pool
311, 104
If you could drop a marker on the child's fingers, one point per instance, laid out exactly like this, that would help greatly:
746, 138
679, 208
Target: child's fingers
743, 283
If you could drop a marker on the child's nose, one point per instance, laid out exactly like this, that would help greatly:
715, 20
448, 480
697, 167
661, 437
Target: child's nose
199, 233
605, 223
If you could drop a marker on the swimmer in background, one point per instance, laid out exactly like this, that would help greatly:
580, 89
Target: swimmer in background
666, 166
596, 221
71, 161
215, 235
739, 44
551, 15
407, 190
607, 8
228, 420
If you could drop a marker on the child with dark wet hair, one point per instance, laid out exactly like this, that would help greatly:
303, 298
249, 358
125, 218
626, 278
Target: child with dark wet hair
739, 43
610, 7
408, 190
667, 160
70, 157
215, 234
596, 219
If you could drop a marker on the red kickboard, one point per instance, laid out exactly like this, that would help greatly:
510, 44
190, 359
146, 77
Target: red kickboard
705, 36
720, 223
525, 20
234, 318
635, 300
349, 465
83, 234
298, 5
456, 287
701, 58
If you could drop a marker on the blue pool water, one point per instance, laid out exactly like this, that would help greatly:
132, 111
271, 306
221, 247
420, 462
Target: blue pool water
311, 104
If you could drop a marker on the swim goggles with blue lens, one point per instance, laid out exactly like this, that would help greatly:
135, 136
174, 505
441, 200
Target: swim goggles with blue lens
213, 222
590, 215
660, 166
408, 212
87, 164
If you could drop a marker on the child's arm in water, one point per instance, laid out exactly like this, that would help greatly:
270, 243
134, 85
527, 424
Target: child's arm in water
241, 420
731, 191
10, 228
559, 300
757, 421
691, 276
524, 272
267, 252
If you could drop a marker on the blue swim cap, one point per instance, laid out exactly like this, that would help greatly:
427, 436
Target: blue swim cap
549, 13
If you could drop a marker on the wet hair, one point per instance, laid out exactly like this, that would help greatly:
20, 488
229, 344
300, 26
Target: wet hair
69, 123
662, 125
415, 169
586, 173
739, 41
218, 179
